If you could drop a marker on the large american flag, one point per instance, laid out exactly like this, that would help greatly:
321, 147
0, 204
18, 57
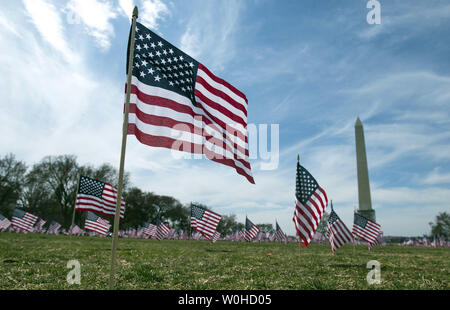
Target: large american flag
97, 196
310, 203
96, 224
204, 221
162, 231
177, 103
338, 234
4, 222
23, 220
251, 230
366, 229
279, 234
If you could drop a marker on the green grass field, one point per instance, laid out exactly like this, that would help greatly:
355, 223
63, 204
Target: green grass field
35, 261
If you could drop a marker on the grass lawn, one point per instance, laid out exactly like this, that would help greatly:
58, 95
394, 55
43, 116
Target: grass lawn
35, 261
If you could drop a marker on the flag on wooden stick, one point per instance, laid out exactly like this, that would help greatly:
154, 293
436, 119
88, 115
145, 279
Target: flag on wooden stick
310, 203
366, 229
338, 234
251, 230
97, 196
204, 221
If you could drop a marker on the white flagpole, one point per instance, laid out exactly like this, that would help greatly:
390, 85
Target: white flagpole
122, 157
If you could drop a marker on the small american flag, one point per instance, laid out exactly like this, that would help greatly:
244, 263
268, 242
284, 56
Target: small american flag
97, 196
150, 229
338, 234
251, 230
39, 224
162, 231
4, 223
54, 228
279, 234
310, 203
366, 229
23, 220
76, 230
204, 221
215, 237
173, 95
96, 224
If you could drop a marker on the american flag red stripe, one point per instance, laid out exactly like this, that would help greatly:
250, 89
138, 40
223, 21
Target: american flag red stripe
209, 115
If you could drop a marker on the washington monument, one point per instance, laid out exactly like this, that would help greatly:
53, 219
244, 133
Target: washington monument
365, 202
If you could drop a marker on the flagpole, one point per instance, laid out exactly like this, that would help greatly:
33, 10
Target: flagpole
122, 156
75, 203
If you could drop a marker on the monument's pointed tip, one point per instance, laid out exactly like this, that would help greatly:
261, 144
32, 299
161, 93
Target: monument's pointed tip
358, 122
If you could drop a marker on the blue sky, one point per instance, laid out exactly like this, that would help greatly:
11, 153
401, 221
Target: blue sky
309, 66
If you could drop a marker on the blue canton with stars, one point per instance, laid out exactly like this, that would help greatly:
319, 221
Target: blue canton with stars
158, 63
333, 218
197, 212
360, 221
91, 187
306, 185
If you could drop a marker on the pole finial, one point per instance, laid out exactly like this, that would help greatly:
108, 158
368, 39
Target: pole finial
298, 158
135, 12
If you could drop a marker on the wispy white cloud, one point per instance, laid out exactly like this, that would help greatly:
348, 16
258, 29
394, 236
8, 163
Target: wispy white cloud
436, 177
96, 17
48, 22
151, 12
214, 44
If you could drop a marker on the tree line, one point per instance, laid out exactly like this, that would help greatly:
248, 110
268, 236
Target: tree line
48, 190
